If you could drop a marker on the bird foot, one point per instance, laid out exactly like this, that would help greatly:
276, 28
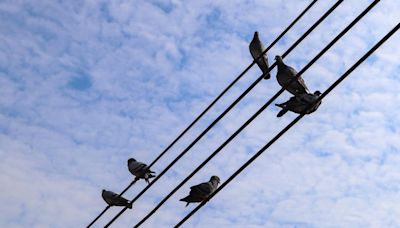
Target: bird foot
268, 76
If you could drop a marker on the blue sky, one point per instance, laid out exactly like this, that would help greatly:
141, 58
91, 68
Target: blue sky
85, 85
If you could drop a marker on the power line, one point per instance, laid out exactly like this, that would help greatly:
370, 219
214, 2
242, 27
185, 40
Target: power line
259, 111
237, 79
228, 109
337, 82
215, 100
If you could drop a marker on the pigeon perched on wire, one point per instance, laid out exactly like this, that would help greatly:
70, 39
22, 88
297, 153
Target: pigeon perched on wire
285, 74
113, 199
200, 192
140, 170
256, 49
299, 104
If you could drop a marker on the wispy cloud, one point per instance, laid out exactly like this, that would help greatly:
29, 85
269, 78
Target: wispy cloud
86, 85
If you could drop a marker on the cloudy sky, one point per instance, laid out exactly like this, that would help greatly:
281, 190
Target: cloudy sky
85, 85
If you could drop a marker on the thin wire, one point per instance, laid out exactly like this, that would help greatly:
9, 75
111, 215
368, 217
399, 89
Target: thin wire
226, 111
258, 112
237, 79
337, 82
104, 211
218, 97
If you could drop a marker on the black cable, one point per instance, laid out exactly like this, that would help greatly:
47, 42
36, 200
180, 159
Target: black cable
259, 111
234, 81
337, 82
227, 110
217, 98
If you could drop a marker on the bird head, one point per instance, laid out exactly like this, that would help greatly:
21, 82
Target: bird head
278, 58
103, 191
318, 93
215, 178
131, 160
255, 34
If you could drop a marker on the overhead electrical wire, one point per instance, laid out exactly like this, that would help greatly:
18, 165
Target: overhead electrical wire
340, 35
326, 14
213, 102
282, 132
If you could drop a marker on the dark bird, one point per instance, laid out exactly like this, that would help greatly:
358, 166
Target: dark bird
299, 104
256, 49
285, 74
200, 192
140, 170
113, 199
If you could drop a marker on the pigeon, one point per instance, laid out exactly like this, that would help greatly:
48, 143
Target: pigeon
140, 170
200, 192
113, 199
256, 49
285, 74
299, 103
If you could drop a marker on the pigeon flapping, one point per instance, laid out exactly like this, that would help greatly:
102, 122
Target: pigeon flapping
299, 104
113, 199
140, 170
256, 49
285, 74
200, 192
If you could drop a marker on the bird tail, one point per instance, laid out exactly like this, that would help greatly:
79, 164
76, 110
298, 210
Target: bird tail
129, 205
186, 199
148, 176
281, 113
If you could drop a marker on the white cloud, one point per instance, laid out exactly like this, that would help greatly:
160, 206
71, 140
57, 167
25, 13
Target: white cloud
86, 85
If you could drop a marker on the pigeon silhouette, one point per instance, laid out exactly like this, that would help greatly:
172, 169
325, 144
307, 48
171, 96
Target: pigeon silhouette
140, 170
256, 49
285, 74
300, 103
113, 199
200, 192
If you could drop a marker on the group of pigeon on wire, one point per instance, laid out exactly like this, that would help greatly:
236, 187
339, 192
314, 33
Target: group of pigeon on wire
298, 103
198, 193
302, 97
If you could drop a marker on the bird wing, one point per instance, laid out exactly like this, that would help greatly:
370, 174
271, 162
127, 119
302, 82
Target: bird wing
201, 189
137, 166
291, 70
290, 103
298, 86
114, 195
303, 84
